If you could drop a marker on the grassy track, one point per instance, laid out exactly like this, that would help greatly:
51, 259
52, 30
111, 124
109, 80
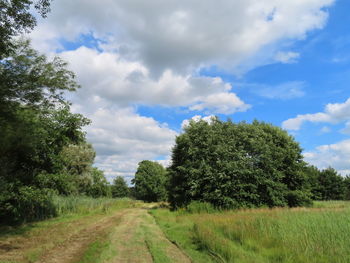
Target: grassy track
125, 232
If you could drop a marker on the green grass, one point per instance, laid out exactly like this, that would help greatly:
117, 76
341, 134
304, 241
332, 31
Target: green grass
313, 235
94, 251
178, 228
83, 204
70, 208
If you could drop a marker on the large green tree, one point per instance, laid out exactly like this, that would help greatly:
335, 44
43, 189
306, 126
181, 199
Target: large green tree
36, 126
150, 182
237, 165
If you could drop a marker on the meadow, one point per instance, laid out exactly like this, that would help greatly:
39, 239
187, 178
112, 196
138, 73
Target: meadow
315, 235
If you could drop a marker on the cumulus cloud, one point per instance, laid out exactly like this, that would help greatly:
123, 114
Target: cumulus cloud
334, 113
108, 77
122, 138
335, 155
183, 35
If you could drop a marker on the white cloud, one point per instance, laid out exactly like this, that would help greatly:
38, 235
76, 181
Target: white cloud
334, 113
226, 103
335, 155
108, 77
197, 118
183, 35
122, 138
287, 57
346, 130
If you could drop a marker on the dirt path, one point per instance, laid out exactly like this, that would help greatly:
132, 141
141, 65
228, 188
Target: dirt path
73, 248
131, 235
139, 239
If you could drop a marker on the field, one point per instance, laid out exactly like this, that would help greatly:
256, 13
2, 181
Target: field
318, 234
107, 230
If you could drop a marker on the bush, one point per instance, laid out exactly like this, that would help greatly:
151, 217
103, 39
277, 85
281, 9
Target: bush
26, 204
298, 198
63, 184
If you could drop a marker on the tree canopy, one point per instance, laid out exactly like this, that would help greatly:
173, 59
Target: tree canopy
43, 148
120, 187
150, 182
237, 165
16, 18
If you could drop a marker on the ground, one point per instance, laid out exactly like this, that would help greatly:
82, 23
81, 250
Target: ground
125, 235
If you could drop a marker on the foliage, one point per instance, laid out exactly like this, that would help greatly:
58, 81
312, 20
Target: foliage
25, 204
120, 187
99, 185
43, 148
150, 182
326, 184
61, 183
331, 185
236, 165
16, 18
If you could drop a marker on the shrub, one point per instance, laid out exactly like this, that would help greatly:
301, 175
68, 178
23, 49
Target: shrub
26, 204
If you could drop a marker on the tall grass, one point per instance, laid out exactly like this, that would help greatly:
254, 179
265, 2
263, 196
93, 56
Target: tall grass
83, 204
313, 235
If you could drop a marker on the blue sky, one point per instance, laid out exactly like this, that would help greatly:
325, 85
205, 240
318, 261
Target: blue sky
146, 67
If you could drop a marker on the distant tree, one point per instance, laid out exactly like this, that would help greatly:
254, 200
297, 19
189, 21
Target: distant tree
347, 187
332, 185
150, 182
99, 185
120, 187
237, 165
312, 174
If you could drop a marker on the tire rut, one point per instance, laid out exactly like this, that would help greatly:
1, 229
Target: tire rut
74, 247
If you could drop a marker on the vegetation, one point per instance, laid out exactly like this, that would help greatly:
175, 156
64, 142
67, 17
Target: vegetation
327, 184
43, 150
262, 235
237, 165
16, 18
120, 187
150, 182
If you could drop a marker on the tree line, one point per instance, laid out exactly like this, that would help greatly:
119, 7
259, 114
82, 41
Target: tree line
234, 165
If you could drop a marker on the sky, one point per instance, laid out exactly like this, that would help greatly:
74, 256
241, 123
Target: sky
146, 67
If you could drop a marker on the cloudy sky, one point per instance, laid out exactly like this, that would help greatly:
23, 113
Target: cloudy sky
145, 67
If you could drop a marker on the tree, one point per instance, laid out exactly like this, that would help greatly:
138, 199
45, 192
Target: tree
120, 187
16, 18
150, 182
236, 165
331, 185
99, 185
36, 126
